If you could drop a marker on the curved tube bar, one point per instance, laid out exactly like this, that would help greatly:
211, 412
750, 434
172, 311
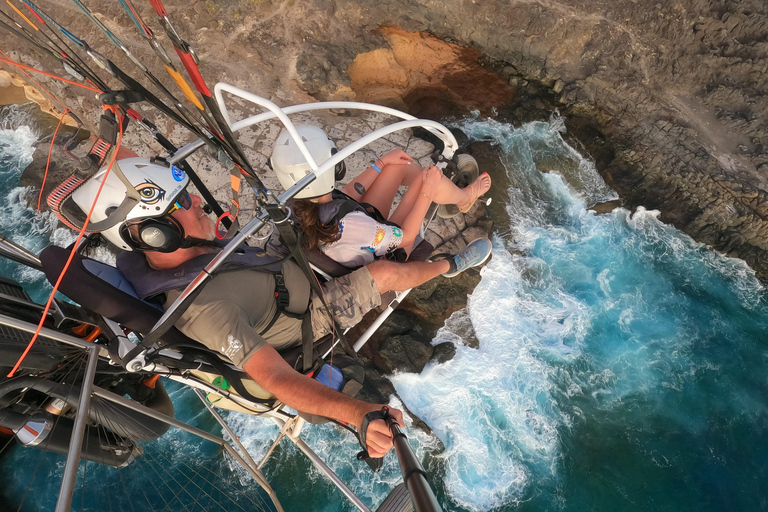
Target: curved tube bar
451, 145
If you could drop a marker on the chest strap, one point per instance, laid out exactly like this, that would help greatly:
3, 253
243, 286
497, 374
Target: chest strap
282, 300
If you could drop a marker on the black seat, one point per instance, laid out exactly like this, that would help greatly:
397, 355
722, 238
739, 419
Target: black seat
102, 289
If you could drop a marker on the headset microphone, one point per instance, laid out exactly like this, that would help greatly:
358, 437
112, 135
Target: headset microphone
207, 209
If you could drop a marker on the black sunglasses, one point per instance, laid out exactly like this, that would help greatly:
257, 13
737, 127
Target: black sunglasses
183, 201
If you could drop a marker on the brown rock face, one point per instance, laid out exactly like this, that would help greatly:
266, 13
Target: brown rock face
672, 95
427, 77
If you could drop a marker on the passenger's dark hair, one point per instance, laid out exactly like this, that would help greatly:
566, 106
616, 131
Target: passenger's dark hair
315, 232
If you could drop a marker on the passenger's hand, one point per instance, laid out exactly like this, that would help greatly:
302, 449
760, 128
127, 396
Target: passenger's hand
396, 157
431, 177
378, 438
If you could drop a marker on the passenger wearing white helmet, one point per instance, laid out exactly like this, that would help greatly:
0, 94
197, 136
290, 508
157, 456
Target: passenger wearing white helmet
351, 233
237, 313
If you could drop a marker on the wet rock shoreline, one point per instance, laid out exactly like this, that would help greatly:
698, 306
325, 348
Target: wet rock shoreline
668, 99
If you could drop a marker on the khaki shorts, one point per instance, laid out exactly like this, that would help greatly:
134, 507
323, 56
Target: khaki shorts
350, 297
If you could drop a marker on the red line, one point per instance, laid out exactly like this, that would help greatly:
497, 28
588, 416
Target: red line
48, 163
36, 15
194, 73
71, 255
22, 66
157, 5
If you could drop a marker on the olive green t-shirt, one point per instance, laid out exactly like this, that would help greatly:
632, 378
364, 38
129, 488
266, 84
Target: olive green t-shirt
236, 305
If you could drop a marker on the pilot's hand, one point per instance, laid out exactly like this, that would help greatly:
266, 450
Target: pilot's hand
378, 438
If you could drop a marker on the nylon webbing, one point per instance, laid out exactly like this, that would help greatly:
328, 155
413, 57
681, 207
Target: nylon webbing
291, 241
307, 343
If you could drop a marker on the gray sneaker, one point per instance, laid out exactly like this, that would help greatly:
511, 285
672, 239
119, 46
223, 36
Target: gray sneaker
476, 253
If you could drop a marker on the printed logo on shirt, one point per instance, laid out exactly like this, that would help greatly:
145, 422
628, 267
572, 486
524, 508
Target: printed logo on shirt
235, 345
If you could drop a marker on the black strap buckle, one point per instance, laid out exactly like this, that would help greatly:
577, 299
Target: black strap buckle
281, 292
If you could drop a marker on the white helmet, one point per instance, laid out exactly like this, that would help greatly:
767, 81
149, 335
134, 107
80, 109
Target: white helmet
290, 165
155, 190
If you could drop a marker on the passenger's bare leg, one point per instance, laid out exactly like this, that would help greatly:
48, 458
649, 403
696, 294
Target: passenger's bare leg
382, 192
389, 275
448, 193
444, 192
359, 186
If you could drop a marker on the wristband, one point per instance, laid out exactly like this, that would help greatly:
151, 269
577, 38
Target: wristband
376, 167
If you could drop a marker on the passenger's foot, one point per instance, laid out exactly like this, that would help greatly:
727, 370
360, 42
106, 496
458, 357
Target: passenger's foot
477, 188
475, 254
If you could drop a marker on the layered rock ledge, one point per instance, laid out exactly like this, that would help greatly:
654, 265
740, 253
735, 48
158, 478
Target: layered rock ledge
668, 98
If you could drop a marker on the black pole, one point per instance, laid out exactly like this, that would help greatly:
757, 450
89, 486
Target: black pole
414, 476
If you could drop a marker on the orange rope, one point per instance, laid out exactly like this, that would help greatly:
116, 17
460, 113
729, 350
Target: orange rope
22, 66
71, 254
48, 163
21, 14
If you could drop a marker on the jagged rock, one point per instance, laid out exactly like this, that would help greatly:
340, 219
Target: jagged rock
433, 238
443, 352
443, 229
376, 388
441, 297
61, 167
43, 124
404, 353
474, 233
453, 246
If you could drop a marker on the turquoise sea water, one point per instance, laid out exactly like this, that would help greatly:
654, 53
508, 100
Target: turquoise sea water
621, 365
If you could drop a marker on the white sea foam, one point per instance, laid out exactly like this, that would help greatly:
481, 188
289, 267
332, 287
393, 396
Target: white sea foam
577, 316
490, 406
16, 146
15, 119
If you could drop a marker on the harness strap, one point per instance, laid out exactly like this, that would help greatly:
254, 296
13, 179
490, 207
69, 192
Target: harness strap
351, 205
282, 299
281, 292
154, 336
290, 240
307, 344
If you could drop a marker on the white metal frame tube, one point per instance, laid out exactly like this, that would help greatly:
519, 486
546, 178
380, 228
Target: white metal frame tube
281, 113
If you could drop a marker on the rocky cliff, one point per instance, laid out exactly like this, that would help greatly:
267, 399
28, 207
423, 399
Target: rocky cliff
668, 98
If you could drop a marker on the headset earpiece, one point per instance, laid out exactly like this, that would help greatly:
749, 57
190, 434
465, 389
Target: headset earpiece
341, 169
161, 234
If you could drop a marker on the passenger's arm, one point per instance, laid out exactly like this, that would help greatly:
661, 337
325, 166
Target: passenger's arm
304, 394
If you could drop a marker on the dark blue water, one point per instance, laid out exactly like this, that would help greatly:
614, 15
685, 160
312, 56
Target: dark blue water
621, 365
